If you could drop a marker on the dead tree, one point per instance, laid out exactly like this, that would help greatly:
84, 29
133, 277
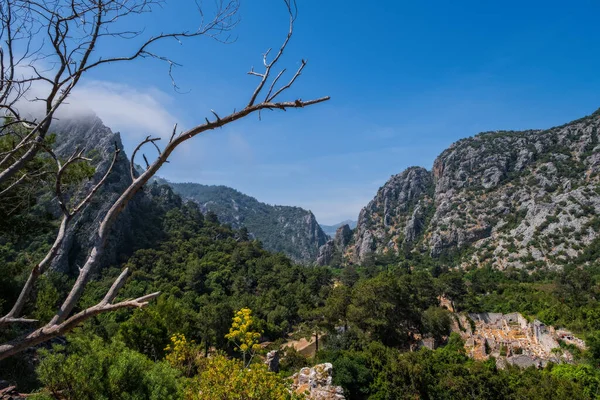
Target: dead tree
71, 31
264, 97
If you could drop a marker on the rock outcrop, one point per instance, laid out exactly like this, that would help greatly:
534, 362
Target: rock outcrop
331, 229
132, 228
326, 253
396, 215
316, 382
335, 247
89, 133
522, 199
272, 361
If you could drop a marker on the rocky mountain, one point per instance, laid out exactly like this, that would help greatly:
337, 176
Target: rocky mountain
331, 229
331, 252
291, 230
136, 226
504, 198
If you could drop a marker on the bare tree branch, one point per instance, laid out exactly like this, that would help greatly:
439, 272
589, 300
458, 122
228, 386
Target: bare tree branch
50, 331
68, 215
61, 322
73, 30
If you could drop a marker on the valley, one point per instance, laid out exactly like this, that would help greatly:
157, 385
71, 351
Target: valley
190, 210
458, 234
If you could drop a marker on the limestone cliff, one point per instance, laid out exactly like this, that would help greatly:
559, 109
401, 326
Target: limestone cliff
522, 199
134, 226
331, 252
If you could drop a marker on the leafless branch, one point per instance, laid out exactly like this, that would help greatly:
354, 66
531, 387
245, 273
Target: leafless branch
61, 322
137, 148
68, 216
73, 31
291, 6
50, 330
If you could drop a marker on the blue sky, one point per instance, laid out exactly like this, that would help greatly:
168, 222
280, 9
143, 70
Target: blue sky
406, 79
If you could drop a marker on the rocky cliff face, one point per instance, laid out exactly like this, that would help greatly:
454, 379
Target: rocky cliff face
522, 199
331, 229
331, 252
396, 216
133, 228
291, 230
89, 133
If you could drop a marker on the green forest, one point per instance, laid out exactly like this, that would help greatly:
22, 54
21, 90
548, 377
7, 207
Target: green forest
478, 278
367, 317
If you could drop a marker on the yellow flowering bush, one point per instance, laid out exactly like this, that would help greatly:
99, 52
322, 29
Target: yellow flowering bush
241, 334
225, 379
182, 354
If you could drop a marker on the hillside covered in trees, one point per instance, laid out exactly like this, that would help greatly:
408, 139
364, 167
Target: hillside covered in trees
291, 230
117, 285
368, 317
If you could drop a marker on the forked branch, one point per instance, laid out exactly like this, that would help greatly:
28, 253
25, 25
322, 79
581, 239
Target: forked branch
50, 331
73, 31
61, 322
68, 215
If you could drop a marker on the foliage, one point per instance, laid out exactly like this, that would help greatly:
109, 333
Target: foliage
379, 372
437, 322
373, 314
241, 334
182, 354
226, 379
90, 368
279, 228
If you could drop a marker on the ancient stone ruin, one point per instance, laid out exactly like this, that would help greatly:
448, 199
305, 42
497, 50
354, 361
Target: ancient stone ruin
512, 339
316, 382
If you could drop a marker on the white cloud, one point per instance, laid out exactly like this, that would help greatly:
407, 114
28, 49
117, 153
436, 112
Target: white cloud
135, 112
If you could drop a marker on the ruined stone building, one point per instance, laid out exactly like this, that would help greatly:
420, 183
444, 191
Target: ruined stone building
511, 338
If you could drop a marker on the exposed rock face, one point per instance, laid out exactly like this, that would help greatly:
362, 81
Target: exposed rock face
317, 383
272, 361
342, 236
396, 213
336, 246
89, 133
513, 198
129, 231
326, 253
331, 229
291, 230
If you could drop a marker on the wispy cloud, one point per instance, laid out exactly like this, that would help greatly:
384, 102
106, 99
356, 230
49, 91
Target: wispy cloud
135, 112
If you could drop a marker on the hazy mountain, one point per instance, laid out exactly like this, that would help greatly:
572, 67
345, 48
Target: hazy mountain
330, 229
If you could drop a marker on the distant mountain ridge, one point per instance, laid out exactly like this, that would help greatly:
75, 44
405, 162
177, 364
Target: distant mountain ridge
525, 199
330, 229
291, 230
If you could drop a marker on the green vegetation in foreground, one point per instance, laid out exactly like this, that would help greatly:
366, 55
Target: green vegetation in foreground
207, 272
